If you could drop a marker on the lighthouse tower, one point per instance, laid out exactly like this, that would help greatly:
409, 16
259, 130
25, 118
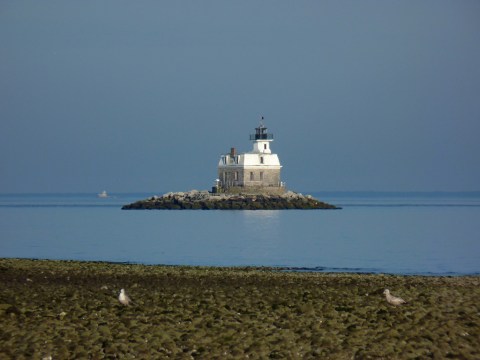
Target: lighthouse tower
254, 172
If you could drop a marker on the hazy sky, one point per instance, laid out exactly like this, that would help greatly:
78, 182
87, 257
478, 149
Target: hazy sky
146, 95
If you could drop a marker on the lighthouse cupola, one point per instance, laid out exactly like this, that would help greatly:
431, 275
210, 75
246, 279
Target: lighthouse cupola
261, 140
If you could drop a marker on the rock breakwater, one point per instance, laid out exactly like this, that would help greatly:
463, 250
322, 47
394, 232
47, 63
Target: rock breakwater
204, 200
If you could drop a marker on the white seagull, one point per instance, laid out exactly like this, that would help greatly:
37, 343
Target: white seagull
393, 299
124, 298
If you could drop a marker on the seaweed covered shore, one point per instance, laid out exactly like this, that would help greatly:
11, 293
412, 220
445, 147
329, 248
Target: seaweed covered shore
67, 309
203, 200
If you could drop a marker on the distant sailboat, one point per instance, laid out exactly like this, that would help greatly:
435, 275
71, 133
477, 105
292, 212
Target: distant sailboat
103, 194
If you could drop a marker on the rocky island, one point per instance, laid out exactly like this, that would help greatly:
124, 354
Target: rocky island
204, 200
246, 181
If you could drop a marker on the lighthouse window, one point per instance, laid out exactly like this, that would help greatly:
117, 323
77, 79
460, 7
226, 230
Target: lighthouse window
236, 175
251, 176
261, 175
261, 159
265, 146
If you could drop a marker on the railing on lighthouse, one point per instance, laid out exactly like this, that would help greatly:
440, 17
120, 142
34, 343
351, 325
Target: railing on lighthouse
261, 134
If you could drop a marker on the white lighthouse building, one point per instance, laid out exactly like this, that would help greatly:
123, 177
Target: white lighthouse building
254, 172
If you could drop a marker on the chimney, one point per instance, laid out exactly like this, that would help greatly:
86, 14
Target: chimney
233, 151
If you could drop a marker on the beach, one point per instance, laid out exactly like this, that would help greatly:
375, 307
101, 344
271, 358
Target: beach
70, 309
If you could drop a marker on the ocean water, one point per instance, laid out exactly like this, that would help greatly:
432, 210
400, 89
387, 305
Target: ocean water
398, 233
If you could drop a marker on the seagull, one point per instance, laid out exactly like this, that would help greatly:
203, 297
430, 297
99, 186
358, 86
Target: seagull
124, 298
393, 299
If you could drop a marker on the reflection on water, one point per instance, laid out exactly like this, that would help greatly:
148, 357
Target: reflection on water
260, 234
261, 222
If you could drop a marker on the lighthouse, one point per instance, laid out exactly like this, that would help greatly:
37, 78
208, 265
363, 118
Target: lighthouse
254, 172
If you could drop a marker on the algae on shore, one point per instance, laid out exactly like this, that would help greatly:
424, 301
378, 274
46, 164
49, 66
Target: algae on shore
68, 309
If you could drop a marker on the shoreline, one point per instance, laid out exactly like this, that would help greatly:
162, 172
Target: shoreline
266, 268
68, 309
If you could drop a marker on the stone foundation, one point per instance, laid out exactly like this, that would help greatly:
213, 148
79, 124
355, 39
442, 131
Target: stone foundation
256, 190
254, 178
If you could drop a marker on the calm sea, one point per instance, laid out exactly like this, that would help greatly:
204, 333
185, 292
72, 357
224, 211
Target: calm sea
401, 233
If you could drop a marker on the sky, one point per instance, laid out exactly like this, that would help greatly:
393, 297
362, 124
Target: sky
144, 96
